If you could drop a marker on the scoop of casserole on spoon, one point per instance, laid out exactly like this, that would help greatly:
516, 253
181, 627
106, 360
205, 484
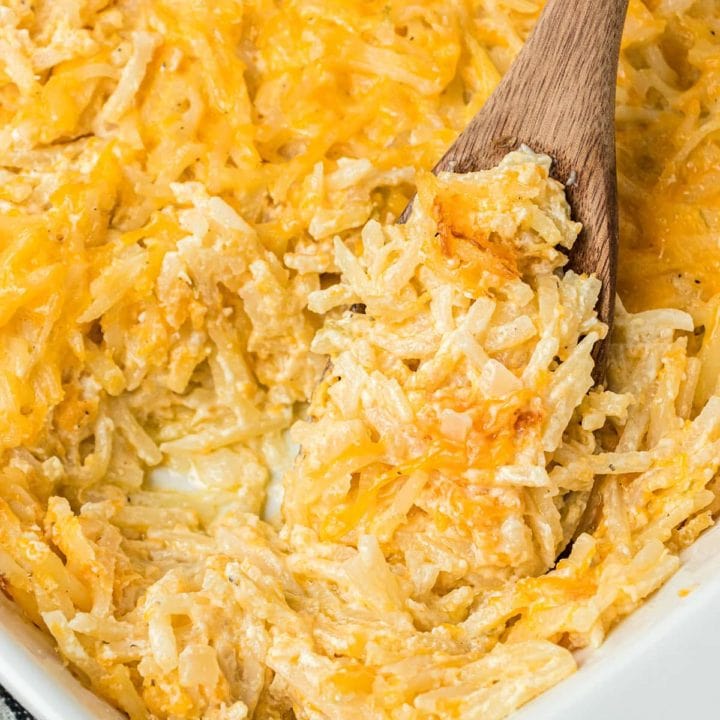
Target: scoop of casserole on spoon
559, 99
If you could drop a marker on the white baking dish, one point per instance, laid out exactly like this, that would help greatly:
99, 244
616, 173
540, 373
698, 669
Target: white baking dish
659, 664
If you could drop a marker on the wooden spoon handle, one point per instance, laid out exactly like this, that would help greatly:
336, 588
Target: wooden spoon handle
559, 92
559, 98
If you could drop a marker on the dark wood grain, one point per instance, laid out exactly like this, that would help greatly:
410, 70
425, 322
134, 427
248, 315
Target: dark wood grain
559, 98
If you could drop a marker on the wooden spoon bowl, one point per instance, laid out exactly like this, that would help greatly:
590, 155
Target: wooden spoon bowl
559, 99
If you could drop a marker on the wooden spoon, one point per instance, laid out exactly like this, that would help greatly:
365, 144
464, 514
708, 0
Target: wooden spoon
559, 98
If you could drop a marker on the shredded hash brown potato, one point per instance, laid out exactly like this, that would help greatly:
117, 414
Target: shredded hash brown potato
198, 251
